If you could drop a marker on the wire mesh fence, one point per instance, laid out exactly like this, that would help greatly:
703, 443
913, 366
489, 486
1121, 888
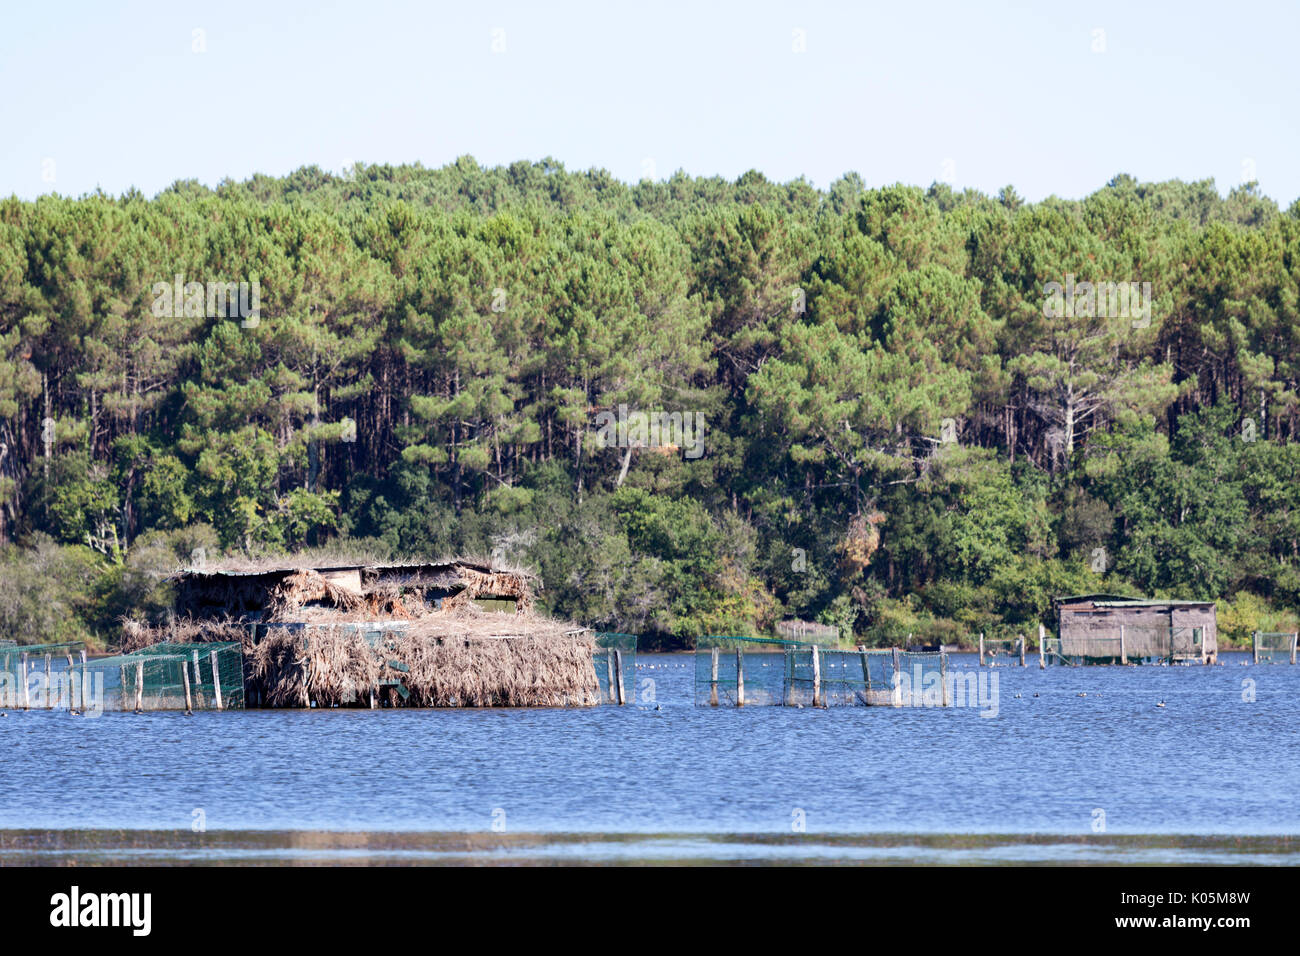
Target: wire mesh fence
740, 671
207, 676
1127, 644
1001, 651
746, 671
615, 663
1273, 647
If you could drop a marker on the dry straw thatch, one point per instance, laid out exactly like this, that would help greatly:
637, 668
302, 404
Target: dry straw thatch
137, 635
460, 660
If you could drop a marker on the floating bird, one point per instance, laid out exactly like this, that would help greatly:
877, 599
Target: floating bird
1035, 695
1161, 704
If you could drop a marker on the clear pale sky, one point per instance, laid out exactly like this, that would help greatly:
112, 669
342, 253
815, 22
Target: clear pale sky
115, 95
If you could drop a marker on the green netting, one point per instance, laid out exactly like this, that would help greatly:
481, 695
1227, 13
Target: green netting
39, 689
1274, 647
154, 678
720, 662
737, 671
1131, 644
615, 663
1002, 650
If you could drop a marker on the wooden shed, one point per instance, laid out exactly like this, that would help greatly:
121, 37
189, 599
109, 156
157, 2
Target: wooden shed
1112, 627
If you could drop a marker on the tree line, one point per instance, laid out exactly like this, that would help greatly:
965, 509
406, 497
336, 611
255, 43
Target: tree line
920, 411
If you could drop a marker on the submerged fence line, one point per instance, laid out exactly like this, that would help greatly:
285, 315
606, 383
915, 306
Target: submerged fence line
754, 671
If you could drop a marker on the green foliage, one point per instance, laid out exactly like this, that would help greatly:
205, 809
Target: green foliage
899, 433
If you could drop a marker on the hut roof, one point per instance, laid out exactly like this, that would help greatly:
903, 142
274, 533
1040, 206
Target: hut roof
282, 566
1119, 600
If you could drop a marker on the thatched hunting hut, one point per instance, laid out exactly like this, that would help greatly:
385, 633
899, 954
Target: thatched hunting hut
1106, 628
424, 634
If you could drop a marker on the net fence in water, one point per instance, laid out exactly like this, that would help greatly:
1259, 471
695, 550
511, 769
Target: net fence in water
1002, 650
153, 678
615, 663
740, 671
744, 672
1130, 644
1274, 647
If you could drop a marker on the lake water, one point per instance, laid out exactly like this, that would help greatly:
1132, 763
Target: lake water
1053, 777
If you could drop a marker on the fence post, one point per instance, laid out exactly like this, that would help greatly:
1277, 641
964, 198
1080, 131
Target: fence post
866, 673
713, 680
22, 666
1123, 650
85, 690
1042, 653
981, 648
139, 686
897, 695
943, 674
609, 674
185, 679
1254, 647
1294, 636
72, 683
216, 679
618, 674
740, 677
817, 677
1022, 649
49, 685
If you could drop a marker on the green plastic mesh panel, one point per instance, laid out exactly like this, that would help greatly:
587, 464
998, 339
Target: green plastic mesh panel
721, 662
615, 663
154, 678
1002, 650
1136, 644
42, 689
1274, 647
735, 671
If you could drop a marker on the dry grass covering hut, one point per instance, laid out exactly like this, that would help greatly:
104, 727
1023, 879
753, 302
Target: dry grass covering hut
410, 634
465, 658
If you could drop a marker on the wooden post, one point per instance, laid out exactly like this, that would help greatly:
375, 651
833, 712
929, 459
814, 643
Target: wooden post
72, 683
1254, 647
1042, 654
185, 679
49, 684
609, 674
740, 677
122, 685
817, 677
898, 680
713, 680
1294, 637
139, 686
943, 674
216, 679
85, 687
22, 666
981, 648
198, 680
1022, 649
866, 672
1123, 649
618, 675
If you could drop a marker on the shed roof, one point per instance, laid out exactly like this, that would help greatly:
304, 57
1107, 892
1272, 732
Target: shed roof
1119, 600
